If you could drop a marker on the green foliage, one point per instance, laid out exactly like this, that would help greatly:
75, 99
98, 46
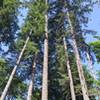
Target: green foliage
89, 78
1, 3
61, 56
59, 88
5, 71
96, 49
35, 18
17, 88
9, 6
36, 95
8, 20
31, 49
98, 82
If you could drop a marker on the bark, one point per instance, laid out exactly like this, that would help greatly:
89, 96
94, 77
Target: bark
78, 62
14, 70
69, 72
90, 65
30, 89
45, 62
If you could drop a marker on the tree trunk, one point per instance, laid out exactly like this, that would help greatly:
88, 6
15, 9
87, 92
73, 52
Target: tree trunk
90, 65
14, 70
78, 62
45, 62
69, 71
30, 89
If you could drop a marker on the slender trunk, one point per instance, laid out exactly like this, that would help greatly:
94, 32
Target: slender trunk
78, 62
14, 70
90, 65
45, 62
30, 89
69, 72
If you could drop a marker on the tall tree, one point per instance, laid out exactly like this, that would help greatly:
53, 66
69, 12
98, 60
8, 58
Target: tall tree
78, 61
69, 71
45, 62
76, 52
14, 70
30, 89
59, 82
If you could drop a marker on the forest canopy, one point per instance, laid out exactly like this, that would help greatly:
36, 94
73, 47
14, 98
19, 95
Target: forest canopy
44, 54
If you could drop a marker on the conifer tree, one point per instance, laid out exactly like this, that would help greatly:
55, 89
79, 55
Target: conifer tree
69, 72
45, 62
78, 61
14, 70
30, 89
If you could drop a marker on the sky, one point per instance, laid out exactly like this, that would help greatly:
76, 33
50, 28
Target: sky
94, 22
22, 16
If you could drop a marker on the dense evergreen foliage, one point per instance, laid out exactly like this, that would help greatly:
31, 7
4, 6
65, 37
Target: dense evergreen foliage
8, 20
65, 19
